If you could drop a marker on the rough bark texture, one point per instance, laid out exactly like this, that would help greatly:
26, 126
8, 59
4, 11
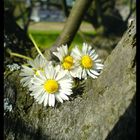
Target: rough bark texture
105, 110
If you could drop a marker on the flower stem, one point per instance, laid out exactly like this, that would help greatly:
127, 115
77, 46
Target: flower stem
36, 46
19, 55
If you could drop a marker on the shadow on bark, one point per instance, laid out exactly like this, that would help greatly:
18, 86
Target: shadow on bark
125, 129
22, 130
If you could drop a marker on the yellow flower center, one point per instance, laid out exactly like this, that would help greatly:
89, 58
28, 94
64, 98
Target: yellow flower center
68, 62
51, 86
87, 62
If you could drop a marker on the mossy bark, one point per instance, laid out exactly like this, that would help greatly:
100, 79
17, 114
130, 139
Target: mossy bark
106, 103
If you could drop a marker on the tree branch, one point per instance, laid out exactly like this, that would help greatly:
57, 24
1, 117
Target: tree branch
72, 24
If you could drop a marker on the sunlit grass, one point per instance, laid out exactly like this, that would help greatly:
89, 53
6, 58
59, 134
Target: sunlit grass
45, 39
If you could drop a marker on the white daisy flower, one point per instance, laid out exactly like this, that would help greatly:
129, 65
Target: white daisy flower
67, 61
87, 62
35, 66
53, 84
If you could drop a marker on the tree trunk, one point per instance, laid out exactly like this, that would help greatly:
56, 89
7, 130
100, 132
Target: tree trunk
26, 25
105, 109
65, 8
105, 18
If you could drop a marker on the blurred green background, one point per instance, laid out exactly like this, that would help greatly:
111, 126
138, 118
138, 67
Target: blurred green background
46, 37
45, 19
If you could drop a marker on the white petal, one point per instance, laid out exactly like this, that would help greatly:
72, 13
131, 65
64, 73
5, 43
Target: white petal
95, 57
94, 72
27, 69
57, 68
61, 52
42, 98
24, 79
51, 100
73, 72
92, 56
57, 54
31, 63
66, 86
63, 96
46, 100
98, 68
84, 48
92, 52
42, 62
42, 75
65, 82
89, 49
36, 62
84, 74
65, 49
60, 75
76, 51
49, 71
37, 79
57, 71
98, 64
76, 57
26, 83
35, 88
58, 98
76, 72
98, 60
66, 91
79, 72
38, 93
26, 74
90, 74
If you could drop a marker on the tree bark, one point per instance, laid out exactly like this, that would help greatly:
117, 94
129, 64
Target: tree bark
105, 109
72, 24
26, 25
105, 18
65, 8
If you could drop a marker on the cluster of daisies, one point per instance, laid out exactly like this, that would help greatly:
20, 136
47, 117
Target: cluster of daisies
48, 82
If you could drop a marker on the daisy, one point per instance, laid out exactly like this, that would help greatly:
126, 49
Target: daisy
66, 59
53, 84
87, 62
28, 72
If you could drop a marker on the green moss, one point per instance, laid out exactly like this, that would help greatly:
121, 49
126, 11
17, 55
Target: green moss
85, 127
86, 132
67, 130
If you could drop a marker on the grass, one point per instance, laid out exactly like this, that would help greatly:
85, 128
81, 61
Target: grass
45, 39
46, 33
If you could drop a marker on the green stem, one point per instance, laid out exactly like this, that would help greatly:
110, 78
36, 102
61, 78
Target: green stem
21, 56
36, 46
